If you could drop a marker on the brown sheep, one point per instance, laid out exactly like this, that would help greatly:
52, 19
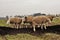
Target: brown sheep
28, 20
40, 21
16, 21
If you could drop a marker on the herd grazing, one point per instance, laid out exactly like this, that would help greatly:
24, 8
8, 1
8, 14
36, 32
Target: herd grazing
33, 21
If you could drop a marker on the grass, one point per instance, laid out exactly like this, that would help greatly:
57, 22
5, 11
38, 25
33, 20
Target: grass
22, 37
3, 23
46, 36
56, 20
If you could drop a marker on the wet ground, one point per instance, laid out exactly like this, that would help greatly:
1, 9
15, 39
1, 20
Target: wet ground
13, 31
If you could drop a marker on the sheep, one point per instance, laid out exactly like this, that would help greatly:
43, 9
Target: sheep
16, 21
40, 21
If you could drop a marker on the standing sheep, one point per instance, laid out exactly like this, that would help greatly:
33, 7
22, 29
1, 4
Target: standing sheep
40, 21
16, 21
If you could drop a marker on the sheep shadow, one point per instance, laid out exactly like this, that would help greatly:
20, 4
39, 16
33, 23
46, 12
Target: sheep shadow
14, 31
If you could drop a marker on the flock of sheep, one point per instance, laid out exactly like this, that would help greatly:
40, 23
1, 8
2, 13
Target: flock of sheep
32, 21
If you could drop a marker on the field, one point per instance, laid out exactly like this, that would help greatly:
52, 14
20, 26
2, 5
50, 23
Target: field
51, 33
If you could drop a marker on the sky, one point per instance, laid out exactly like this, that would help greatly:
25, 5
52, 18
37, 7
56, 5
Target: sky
28, 7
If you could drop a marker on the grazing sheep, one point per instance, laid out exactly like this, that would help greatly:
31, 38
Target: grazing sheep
16, 21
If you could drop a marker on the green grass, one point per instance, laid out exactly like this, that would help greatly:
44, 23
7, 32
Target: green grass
56, 20
46, 36
3, 23
22, 37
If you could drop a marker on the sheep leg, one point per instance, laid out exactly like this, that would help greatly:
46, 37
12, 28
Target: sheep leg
34, 28
17, 26
14, 26
45, 26
41, 26
26, 25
